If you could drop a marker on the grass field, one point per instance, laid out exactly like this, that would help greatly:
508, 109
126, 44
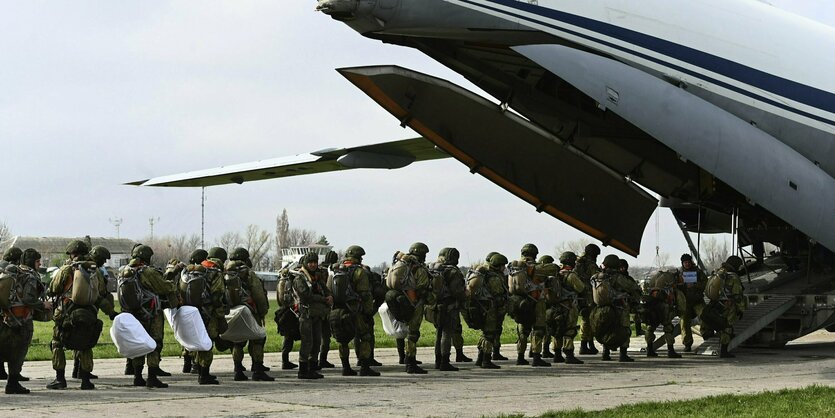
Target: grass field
813, 401
105, 349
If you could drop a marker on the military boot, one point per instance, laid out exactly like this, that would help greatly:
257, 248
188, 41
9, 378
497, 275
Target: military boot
240, 376
195, 368
3, 374
688, 348
313, 373
570, 359
346, 367
639, 331
60, 382
558, 358
538, 362
651, 350
724, 353
153, 379
138, 380
520, 360
314, 366
186, 364
401, 351
671, 352
487, 364
374, 363
206, 378
128, 368
546, 348
584, 347
366, 370
259, 373
22, 378
460, 357
77, 362
446, 366
480, 358
592, 348
324, 363
412, 366
162, 373
13, 386
497, 355
438, 361
285, 362
606, 355
86, 384
624, 358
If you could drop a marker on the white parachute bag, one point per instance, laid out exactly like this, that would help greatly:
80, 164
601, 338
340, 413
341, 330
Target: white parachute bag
242, 326
130, 337
189, 329
392, 327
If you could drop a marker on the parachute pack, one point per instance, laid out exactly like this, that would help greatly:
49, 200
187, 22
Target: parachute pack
236, 281
607, 327
714, 315
7, 286
194, 286
603, 292
133, 297
81, 328
343, 325
438, 280
85, 285
11, 290
400, 276
342, 287
715, 286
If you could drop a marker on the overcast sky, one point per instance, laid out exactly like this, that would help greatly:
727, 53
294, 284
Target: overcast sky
97, 93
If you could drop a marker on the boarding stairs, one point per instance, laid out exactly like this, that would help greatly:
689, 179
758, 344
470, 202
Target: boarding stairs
754, 319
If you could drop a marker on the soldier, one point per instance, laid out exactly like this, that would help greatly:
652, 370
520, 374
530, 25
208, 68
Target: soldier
100, 255
586, 268
660, 307
61, 287
563, 292
620, 290
531, 289
313, 301
173, 273
10, 257
353, 311
418, 291
449, 290
728, 293
635, 305
546, 341
693, 282
329, 262
140, 289
209, 302
378, 290
253, 295
285, 317
27, 297
501, 313
494, 298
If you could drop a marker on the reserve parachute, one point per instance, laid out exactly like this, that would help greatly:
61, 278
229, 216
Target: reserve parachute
85, 284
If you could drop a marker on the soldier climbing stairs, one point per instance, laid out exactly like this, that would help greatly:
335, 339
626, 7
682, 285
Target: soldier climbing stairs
755, 318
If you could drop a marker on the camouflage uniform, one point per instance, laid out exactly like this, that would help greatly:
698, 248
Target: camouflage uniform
692, 304
732, 299
449, 291
18, 319
312, 299
625, 290
259, 306
586, 268
661, 303
213, 313
563, 312
362, 311
535, 329
494, 283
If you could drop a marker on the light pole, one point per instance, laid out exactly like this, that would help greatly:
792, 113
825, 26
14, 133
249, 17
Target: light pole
152, 221
117, 222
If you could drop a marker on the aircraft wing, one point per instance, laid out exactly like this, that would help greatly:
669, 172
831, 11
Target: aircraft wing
387, 155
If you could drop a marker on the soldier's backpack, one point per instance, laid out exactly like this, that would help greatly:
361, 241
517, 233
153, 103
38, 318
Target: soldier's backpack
438, 280
342, 288
400, 276
475, 285
343, 325
713, 316
81, 328
399, 305
194, 286
715, 286
236, 282
284, 294
7, 285
518, 281
607, 328
85, 284
603, 292
133, 297
378, 289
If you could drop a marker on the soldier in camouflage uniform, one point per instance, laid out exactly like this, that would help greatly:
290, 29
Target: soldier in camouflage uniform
28, 299
360, 309
692, 287
214, 313
536, 295
329, 262
11, 257
501, 313
563, 291
635, 305
173, 273
586, 268
313, 301
420, 296
732, 299
661, 305
546, 341
257, 302
60, 287
494, 293
449, 290
151, 318
625, 290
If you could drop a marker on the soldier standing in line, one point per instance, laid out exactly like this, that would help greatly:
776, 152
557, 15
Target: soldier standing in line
493, 293
531, 289
11, 257
586, 268
622, 290
329, 262
725, 288
564, 304
546, 340
693, 282
313, 301
450, 291
254, 297
635, 305
661, 307
418, 291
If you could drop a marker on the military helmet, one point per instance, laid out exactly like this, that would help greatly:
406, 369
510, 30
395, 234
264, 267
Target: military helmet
239, 254
611, 261
198, 256
142, 252
498, 260
592, 249
331, 257
450, 255
419, 249
529, 250
100, 254
568, 258
624, 264
77, 246
309, 257
686, 257
545, 259
30, 256
490, 254
734, 261
355, 252
12, 255
218, 253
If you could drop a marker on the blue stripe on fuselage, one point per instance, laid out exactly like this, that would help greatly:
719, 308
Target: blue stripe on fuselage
800, 93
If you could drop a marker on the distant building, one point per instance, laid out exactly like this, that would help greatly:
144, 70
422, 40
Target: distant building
293, 254
53, 249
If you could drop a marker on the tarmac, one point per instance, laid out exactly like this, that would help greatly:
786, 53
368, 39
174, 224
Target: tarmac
469, 392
